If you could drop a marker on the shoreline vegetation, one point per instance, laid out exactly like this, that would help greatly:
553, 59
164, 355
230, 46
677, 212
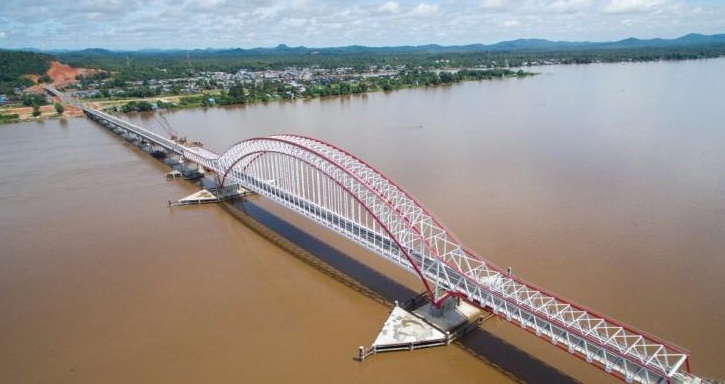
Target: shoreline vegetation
259, 92
148, 80
241, 94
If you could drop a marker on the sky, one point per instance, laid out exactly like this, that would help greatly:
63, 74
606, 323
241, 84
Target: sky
191, 24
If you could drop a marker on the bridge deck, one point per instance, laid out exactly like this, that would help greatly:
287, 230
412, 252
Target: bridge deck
628, 353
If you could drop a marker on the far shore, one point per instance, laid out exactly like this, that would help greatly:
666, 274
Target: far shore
24, 113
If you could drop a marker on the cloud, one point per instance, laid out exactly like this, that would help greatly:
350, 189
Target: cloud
566, 6
424, 9
494, 4
389, 7
134, 24
210, 3
633, 6
531, 7
266, 13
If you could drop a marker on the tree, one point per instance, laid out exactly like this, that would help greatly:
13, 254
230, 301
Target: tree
59, 108
33, 99
447, 77
36, 110
15, 64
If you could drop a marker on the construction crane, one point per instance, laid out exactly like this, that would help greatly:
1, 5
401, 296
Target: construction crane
173, 135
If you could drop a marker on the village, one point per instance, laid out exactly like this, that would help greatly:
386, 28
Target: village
296, 82
199, 88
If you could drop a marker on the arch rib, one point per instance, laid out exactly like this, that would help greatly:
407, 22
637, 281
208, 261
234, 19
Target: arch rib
256, 154
436, 255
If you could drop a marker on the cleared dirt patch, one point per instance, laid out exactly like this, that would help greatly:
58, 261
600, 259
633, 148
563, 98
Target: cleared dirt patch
63, 74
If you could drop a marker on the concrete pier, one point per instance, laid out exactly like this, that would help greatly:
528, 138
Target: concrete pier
201, 197
453, 313
211, 195
404, 330
424, 327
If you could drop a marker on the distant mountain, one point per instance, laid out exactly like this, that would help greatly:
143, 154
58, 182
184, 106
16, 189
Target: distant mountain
524, 45
692, 39
535, 44
696, 38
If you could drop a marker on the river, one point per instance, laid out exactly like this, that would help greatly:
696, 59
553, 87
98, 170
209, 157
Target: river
604, 183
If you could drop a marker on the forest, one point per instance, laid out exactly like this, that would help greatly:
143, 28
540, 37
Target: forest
15, 64
146, 65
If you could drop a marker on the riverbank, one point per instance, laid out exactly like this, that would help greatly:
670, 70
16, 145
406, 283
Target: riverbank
17, 114
58, 75
254, 95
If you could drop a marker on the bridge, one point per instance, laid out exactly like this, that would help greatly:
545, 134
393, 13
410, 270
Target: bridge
345, 194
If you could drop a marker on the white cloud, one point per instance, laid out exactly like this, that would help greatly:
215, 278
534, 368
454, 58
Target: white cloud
494, 4
389, 7
295, 22
424, 9
133, 24
564, 6
633, 6
530, 7
267, 12
210, 3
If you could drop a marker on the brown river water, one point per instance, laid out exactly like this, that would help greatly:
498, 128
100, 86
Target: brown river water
602, 183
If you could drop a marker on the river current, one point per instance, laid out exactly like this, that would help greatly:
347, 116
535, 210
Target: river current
604, 183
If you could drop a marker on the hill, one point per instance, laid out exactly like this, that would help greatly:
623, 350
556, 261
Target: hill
514, 52
16, 64
690, 40
157, 64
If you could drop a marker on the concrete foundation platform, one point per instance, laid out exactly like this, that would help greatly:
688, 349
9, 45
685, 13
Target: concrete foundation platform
404, 328
425, 327
215, 195
447, 319
201, 197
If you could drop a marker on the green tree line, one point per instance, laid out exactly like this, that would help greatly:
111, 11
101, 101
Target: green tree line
15, 64
137, 66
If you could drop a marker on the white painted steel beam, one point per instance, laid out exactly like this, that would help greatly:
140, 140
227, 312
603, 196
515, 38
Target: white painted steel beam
345, 194
407, 234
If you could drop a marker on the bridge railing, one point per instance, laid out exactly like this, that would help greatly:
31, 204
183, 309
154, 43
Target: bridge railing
616, 348
447, 264
148, 135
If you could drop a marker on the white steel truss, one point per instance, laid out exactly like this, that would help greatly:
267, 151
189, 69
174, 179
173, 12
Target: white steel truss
345, 194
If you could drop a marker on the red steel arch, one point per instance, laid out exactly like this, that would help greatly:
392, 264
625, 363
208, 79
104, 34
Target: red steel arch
427, 230
276, 166
410, 229
253, 150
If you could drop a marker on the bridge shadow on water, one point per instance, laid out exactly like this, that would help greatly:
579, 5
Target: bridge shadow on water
509, 359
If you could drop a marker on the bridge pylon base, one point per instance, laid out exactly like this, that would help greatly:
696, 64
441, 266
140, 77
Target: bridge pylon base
211, 195
423, 327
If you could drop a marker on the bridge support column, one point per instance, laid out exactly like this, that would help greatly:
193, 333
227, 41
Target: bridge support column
190, 170
423, 327
447, 305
